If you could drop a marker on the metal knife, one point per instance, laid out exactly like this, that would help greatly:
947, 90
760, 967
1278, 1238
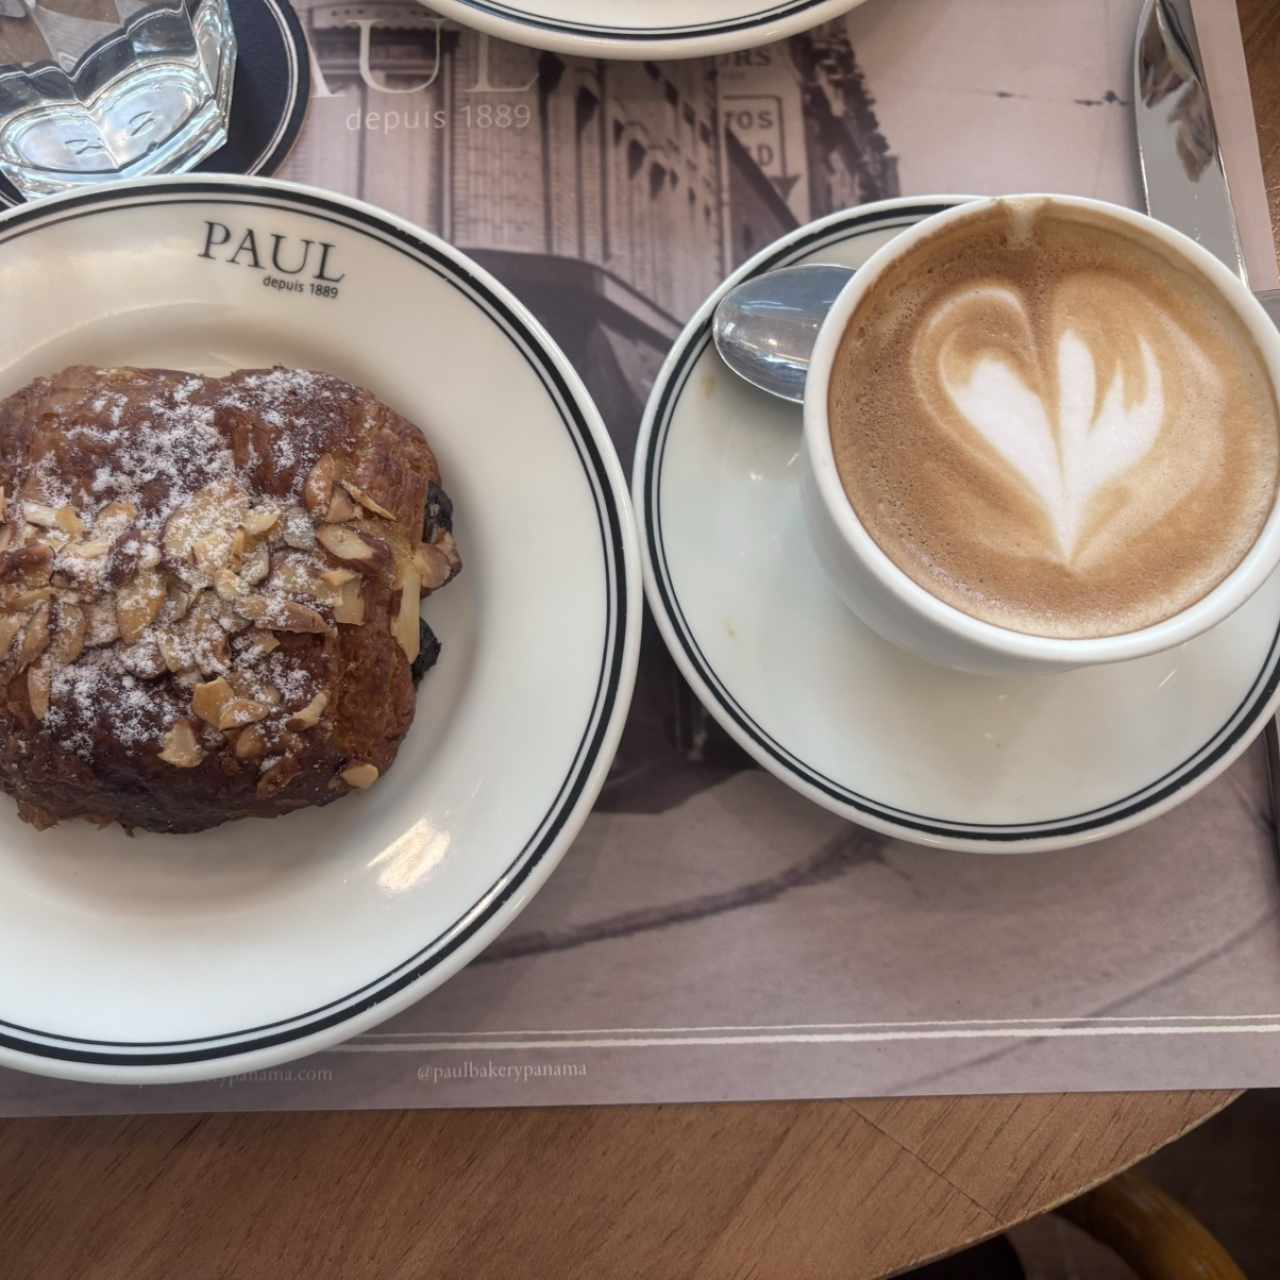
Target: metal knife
1183, 178
1180, 160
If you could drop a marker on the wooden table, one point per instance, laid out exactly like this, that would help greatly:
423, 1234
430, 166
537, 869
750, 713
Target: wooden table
787, 1190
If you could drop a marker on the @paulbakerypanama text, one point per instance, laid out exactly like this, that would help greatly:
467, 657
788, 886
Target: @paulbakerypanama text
522, 1072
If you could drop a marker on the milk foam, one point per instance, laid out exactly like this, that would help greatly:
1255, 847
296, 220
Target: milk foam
1053, 423
1090, 447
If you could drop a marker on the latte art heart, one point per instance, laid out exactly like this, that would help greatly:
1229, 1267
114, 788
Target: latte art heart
1065, 452
1051, 422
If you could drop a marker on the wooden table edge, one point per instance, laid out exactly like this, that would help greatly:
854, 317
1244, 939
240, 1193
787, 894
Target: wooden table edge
1220, 1101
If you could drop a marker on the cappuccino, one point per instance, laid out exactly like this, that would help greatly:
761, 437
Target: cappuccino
1054, 423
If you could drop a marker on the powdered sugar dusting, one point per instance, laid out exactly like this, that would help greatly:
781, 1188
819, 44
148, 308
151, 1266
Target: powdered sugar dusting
174, 454
294, 682
97, 694
45, 484
177, 446
184, 456
281, 381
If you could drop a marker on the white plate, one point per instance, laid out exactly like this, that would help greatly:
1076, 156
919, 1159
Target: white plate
642, 29
962, 762
178, 957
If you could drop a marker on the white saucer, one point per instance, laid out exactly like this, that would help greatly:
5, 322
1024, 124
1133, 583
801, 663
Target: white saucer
642, 29
178, 957
961, 762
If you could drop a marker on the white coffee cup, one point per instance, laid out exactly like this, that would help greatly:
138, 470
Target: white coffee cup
900, 610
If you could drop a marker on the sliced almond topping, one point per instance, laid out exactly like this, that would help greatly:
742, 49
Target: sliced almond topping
180, 746
123, 561
33, 564
6, 536
115, 518
208, 521
179, 534
256, 565
310, 715
39, 680
35, 639
101, 625
118, 513
90, 549
350, 606
239, 543
177, 656
346, 544
10, 625
40, 570
360, 775
432, 566
336, 577
149, 556
281, 615
144, 659
250, 743
341, 508
366, 501
237, 712
228, 586
260, 644
69, 521
405, 624
31, 596
446, 544
297, 617
68, 640
318, 489
138, 604
281, 773
254, 607
299, 532
260, 520
209, 698
4, 505
230, 621
249, 685
177, 602
40, 514
213, 552
207, 637
294, 575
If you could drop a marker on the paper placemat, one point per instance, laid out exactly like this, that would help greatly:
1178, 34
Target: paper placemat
711, 935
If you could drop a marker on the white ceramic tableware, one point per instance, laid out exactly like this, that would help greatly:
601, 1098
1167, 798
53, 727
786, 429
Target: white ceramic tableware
643, 29
163, 958
991, 764
895, 606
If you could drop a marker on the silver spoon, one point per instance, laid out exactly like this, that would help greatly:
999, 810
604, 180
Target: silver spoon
765, 328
